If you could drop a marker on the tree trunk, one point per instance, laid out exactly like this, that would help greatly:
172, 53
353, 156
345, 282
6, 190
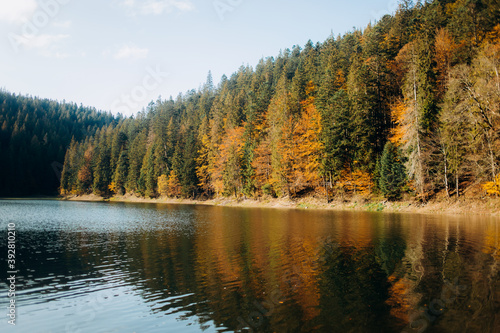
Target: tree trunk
446, 172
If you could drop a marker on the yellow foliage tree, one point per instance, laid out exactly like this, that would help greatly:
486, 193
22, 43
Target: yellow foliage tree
203, 169
356, 182
493, 187
163, 185
112, 187
294, 149
173, 185
230, 154
494, 35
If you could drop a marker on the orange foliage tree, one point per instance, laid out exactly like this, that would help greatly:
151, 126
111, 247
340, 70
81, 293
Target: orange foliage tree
307, 147
203, 165
85, 173
399, 130
288, 158
279, 136
173, 185
169, 186
445, 47
355, 182
262, 165
231, 152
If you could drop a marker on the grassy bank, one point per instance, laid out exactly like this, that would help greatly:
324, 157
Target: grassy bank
486, 206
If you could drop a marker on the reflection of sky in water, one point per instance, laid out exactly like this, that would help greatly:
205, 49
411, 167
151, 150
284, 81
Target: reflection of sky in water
115, 267
97, 311
52, 215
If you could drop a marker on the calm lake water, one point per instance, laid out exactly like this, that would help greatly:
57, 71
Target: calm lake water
116, 267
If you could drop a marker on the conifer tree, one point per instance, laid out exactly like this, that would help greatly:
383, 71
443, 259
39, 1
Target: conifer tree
120, 177
136, 157
147, 178
391, 173
102, 170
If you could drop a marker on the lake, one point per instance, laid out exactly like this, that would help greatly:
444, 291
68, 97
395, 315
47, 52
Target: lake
123, 267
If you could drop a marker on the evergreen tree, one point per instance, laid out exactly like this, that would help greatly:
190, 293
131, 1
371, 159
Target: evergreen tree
102, 171
120, 177
392, 175
336, 135
147, 178
136, 157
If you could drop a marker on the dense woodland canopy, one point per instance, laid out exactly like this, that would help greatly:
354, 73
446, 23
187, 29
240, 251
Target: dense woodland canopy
34, 136
408, 106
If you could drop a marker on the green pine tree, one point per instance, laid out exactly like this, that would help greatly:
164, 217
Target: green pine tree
392, 175
121, 172
102, 171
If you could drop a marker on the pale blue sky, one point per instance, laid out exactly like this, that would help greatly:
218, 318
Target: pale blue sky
114, 54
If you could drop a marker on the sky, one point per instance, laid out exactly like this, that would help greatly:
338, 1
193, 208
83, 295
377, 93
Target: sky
118, 55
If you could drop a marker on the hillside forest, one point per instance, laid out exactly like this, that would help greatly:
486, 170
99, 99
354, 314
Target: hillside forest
408, 107
34, 136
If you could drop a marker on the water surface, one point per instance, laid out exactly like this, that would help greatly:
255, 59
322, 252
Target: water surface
121, 267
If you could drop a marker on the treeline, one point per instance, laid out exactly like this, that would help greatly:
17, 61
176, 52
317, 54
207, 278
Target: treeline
407, 105
34, 137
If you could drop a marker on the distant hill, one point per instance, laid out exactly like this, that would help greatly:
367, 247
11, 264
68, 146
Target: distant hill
34, 136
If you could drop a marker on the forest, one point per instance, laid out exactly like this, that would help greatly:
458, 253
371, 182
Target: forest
34, 136
408, 107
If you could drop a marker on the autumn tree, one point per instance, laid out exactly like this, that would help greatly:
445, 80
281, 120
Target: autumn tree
472, 109
444, 49
174, 189
163, 185
307, 148
230, 160
414, 115
280, 129
84, 176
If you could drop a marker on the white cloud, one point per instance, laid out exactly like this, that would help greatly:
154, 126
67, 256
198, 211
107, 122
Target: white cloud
130, 51
17, 11
156, 7
44, 44
40, 41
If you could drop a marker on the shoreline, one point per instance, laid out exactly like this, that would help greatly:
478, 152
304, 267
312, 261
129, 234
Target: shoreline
463, 206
